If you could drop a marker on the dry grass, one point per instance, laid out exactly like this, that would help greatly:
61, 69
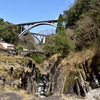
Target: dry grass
73, 59
6, 62
7, 59
81, 56
68, 63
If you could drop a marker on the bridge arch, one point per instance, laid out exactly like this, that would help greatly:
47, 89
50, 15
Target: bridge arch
34, 25
37, 39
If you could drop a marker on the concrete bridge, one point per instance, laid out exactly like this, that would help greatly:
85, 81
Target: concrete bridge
34, 24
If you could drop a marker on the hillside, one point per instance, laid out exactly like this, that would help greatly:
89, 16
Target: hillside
78, 28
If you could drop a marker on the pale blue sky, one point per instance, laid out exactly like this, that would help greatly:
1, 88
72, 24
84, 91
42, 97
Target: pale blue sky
21, 11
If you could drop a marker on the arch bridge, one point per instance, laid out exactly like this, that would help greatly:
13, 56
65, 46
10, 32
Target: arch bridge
34, 24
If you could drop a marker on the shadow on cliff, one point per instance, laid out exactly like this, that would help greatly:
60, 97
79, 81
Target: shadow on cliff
95, 66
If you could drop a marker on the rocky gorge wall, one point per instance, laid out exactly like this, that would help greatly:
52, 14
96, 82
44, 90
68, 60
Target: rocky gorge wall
76, 74
19, 73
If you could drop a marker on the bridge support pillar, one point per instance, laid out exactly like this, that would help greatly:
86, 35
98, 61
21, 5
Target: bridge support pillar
44, 39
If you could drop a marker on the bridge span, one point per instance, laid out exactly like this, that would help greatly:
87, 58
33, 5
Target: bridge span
31, 23
34, 24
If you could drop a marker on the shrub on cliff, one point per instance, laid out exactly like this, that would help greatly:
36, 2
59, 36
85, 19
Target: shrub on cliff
36, 57
57, 44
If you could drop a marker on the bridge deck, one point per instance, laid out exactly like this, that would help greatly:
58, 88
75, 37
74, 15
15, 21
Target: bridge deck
30, 23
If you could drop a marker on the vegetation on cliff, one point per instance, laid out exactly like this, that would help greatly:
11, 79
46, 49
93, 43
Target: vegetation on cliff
78, 28
8, 32
83, 18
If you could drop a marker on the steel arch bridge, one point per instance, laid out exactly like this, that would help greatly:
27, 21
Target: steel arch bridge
34, 24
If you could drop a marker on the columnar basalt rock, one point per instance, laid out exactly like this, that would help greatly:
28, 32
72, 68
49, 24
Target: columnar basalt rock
57, 76
19, 76
75, 78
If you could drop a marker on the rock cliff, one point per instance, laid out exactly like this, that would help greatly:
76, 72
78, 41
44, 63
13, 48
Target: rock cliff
76, 74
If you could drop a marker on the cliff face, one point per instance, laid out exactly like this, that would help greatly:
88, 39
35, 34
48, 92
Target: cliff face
17, 73
75, 74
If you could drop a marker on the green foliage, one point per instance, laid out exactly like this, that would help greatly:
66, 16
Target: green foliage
62, 43
8, 32
60, 26
39, 79
58, 44
95, 14
50, 46
36, 57
20, 47
84, 18
73, 14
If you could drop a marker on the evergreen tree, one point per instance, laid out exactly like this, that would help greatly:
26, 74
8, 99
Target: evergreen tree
60, 26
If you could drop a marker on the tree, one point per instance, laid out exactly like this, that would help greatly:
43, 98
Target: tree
8, 32
60, 26
58, 43
72, 15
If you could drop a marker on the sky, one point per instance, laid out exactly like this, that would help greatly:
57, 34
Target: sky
22, 11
